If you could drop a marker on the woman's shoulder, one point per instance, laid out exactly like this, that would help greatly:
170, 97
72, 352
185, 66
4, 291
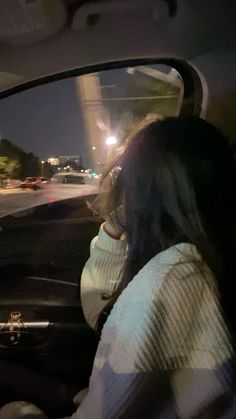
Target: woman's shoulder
182, 254
178, 280
172, 304
178, 270
170, 278
173, 267
169, 291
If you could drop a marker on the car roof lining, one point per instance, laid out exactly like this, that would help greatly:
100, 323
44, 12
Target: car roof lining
184, 36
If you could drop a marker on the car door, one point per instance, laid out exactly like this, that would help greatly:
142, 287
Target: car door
45, 234
43, 335
69, 98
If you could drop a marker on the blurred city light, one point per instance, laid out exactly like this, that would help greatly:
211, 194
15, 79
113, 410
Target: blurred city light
111, 140
54, 161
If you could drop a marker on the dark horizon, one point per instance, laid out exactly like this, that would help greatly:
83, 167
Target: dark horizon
45, 120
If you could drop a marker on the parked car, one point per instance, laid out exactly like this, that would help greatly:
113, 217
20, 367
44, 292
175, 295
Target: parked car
69, 178
43, 180
74, 178
31, 183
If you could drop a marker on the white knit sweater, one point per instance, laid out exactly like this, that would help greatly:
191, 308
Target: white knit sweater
164, 350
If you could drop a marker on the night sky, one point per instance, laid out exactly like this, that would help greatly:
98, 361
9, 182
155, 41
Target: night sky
47, 120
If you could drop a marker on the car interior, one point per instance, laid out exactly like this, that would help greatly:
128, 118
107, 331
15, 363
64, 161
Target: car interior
135, 58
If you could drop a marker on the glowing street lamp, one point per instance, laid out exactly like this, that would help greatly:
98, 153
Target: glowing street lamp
42, 167
111, 141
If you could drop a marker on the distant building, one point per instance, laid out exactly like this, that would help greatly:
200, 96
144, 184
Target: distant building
73, 159
60, 160
66, 163
54, 161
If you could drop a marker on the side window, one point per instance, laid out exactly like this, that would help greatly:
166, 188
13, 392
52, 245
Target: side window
56, 139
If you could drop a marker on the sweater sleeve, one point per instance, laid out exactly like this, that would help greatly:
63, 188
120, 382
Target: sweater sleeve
101, 273
170, 364
131, 379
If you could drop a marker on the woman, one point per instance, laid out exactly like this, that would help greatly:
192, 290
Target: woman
159, 279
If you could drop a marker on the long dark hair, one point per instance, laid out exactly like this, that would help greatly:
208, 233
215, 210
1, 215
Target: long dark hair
176, 182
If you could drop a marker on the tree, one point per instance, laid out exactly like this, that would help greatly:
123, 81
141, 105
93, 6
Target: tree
8, 167
30, 165
47, 170
16, 163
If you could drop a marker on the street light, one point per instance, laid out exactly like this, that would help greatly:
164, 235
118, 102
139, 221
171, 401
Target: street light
42, 167
111, 140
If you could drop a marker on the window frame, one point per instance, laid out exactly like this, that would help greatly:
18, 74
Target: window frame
192, 92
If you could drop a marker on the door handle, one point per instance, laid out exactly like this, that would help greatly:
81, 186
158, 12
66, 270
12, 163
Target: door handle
15, 326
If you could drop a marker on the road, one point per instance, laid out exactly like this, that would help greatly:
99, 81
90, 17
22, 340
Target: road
13, 200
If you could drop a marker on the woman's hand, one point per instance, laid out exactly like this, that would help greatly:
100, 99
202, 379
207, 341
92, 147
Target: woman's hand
112, 230
111, 227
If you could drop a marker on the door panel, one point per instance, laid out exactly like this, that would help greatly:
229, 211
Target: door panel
42, 327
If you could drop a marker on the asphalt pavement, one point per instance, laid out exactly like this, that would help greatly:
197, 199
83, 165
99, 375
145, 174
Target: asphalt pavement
13, 200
